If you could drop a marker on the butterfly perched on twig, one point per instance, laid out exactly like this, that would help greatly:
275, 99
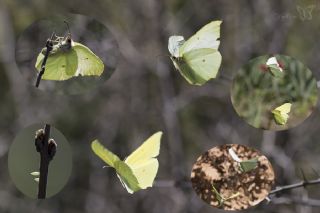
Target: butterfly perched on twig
68, 59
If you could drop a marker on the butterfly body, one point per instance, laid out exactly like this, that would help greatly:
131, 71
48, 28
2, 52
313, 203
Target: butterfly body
197, 59
139, 169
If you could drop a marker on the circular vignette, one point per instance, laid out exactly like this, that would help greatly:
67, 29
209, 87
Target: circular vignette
257, 92
23, 159
216, 171
84, 30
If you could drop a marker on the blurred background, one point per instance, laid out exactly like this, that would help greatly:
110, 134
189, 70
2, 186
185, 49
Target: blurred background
146, 94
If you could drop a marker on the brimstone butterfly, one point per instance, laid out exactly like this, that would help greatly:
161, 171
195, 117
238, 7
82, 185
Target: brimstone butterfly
222, 199
245, 165
197, 59
69, 59
139, 169
274, 67
281, 113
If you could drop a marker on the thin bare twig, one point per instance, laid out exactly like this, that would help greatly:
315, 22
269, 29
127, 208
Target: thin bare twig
303, 183
49, 47
44, 164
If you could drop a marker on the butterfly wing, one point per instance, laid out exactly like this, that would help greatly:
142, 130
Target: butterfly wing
107, 156
60, 66
127, 178
248, 165
200, 65
207, 37
284, 108
274, 67
280, 113
174, 44
124, 172
89, 64
143, 161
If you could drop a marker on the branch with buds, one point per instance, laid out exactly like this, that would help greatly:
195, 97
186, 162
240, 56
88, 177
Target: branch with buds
47, 149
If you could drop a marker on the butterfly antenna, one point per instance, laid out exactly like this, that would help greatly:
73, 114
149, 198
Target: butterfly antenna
106, 167
67, 26
69, 32
53, 35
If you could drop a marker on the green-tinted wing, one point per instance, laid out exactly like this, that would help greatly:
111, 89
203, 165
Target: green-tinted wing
125, 174
127, 177
281, 113
89, 64
248, 165
284, 108
207, 37
280, 118
60, 65
275, 71
199, 66
103, 153
143, 161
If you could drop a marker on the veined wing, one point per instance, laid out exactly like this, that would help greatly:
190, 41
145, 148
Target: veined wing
207, 37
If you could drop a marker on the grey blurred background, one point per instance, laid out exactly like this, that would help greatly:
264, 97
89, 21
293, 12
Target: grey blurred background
145, 94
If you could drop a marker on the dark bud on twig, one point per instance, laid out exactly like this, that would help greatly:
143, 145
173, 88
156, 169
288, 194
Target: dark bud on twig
52, 148
39, 139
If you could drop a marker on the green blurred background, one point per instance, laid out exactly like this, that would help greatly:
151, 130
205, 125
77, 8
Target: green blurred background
145, 94
24, 159
256, 92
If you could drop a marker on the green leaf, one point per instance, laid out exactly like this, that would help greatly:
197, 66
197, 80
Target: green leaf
218, 196
222, 199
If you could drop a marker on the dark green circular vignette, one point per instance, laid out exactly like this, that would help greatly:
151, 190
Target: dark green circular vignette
85, 30
24, 159
255, 92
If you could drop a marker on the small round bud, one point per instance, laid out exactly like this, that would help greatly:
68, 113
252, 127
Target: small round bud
52, 148
39, 137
